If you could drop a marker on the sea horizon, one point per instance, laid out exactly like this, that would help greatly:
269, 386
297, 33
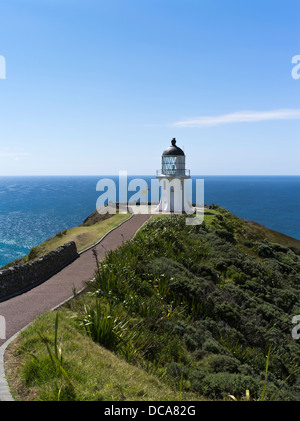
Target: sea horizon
147, 175
34, 208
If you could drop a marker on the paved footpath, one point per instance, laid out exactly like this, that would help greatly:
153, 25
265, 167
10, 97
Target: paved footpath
19, 311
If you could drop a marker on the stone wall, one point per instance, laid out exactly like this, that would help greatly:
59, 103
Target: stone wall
18, 279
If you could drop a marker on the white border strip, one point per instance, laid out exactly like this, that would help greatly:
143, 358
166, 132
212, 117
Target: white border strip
5, 394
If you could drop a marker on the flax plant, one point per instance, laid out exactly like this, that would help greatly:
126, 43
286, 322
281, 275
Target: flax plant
56, 358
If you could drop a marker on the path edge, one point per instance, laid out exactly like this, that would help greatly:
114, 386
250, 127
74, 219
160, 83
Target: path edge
5, 395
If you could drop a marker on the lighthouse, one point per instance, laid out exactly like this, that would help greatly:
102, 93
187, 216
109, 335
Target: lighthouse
173, 176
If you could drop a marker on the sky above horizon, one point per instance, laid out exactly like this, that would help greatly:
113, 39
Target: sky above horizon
95, 87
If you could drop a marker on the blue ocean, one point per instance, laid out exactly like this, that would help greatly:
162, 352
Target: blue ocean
33, 209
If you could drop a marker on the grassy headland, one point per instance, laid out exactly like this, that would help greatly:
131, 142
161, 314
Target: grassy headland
180, 312
85, 235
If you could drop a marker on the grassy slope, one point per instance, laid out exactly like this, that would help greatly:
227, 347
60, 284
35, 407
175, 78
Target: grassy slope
255, 231
83, 235
202, 345
97, 373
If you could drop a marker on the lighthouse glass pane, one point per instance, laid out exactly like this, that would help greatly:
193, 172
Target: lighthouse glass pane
173, 165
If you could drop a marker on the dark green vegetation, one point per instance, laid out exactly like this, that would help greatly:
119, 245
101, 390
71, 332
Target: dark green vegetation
199, 307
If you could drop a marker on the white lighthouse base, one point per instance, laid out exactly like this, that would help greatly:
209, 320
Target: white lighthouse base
173, 199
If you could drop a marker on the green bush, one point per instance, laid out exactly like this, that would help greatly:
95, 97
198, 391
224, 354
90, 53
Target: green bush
212, 346
226, 235
105, 325
220, 385
208, 308
224, 363
33, 253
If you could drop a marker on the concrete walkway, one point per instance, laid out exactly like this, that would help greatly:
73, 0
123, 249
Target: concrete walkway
21, 310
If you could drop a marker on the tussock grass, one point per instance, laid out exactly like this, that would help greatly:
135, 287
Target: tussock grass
95, 372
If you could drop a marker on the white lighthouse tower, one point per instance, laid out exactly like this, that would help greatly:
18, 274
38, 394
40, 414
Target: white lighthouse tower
172, 178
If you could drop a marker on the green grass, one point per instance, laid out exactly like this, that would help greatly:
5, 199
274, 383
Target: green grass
180, 312
209, 214
95, 372
83, 236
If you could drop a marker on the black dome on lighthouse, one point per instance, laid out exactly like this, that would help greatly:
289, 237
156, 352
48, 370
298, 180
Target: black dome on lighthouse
173, 150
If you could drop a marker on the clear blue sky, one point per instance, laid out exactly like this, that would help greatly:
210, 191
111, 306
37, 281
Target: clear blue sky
97, 86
